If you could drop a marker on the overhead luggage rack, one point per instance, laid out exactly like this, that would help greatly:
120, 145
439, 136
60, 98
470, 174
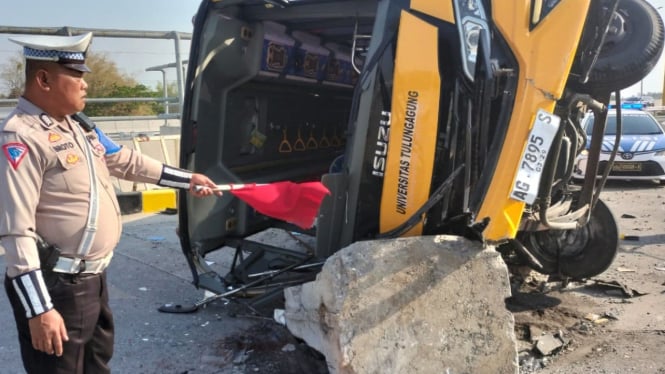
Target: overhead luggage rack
302, 56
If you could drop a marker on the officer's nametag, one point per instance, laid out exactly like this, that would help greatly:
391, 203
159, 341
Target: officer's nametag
530, 170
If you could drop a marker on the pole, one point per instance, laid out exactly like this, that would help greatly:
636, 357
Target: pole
179, 72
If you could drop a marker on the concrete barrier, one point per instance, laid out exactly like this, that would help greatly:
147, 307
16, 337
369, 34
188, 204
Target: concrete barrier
135, 197
149, 201
417, 305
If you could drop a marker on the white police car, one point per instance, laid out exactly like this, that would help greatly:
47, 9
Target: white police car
641, 152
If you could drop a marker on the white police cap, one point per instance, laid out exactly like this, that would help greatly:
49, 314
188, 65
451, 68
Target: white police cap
69, 51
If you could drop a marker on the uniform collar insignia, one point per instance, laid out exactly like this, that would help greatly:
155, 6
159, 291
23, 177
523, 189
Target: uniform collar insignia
15, 153
46, 120
53, 137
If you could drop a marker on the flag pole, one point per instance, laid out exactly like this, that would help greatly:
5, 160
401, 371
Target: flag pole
230, 187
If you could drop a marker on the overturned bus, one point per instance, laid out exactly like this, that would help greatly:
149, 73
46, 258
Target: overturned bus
421, 117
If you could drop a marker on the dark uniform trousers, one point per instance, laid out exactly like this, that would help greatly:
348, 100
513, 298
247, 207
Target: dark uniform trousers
82, 300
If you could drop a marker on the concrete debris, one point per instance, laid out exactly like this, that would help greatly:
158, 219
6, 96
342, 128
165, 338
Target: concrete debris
611, 315
412, 305
278, 316
591, 317
584, 327
530, 364
535, 279
535, 333
549, 344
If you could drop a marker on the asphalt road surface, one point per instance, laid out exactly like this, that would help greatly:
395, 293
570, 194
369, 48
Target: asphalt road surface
147, 271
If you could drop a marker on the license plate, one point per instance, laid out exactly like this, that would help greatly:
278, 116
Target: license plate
626, 166
530, 169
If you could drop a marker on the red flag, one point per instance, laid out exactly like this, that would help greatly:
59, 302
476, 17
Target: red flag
297, 203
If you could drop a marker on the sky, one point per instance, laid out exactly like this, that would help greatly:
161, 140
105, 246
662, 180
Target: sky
133, 56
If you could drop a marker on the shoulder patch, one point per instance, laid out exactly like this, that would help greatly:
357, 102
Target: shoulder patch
15, 152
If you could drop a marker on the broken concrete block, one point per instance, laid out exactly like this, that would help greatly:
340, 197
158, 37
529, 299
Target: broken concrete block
535, 333
433, 304
547, 344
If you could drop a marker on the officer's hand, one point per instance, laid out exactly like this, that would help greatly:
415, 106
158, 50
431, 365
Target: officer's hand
48, 331
203, 181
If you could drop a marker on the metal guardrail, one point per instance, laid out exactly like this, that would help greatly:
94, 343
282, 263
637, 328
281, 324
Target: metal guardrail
655, 109
10, 103
658, 112
113, 33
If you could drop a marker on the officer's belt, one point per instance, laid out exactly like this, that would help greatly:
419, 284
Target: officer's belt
79, 266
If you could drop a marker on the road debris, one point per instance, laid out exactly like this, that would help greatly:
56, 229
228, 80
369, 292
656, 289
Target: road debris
616, 288
633, 238
596, 319
549, 344
278, 316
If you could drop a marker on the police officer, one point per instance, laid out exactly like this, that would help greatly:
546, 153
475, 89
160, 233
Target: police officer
55, 184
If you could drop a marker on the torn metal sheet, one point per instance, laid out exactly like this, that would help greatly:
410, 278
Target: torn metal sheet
624, 288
